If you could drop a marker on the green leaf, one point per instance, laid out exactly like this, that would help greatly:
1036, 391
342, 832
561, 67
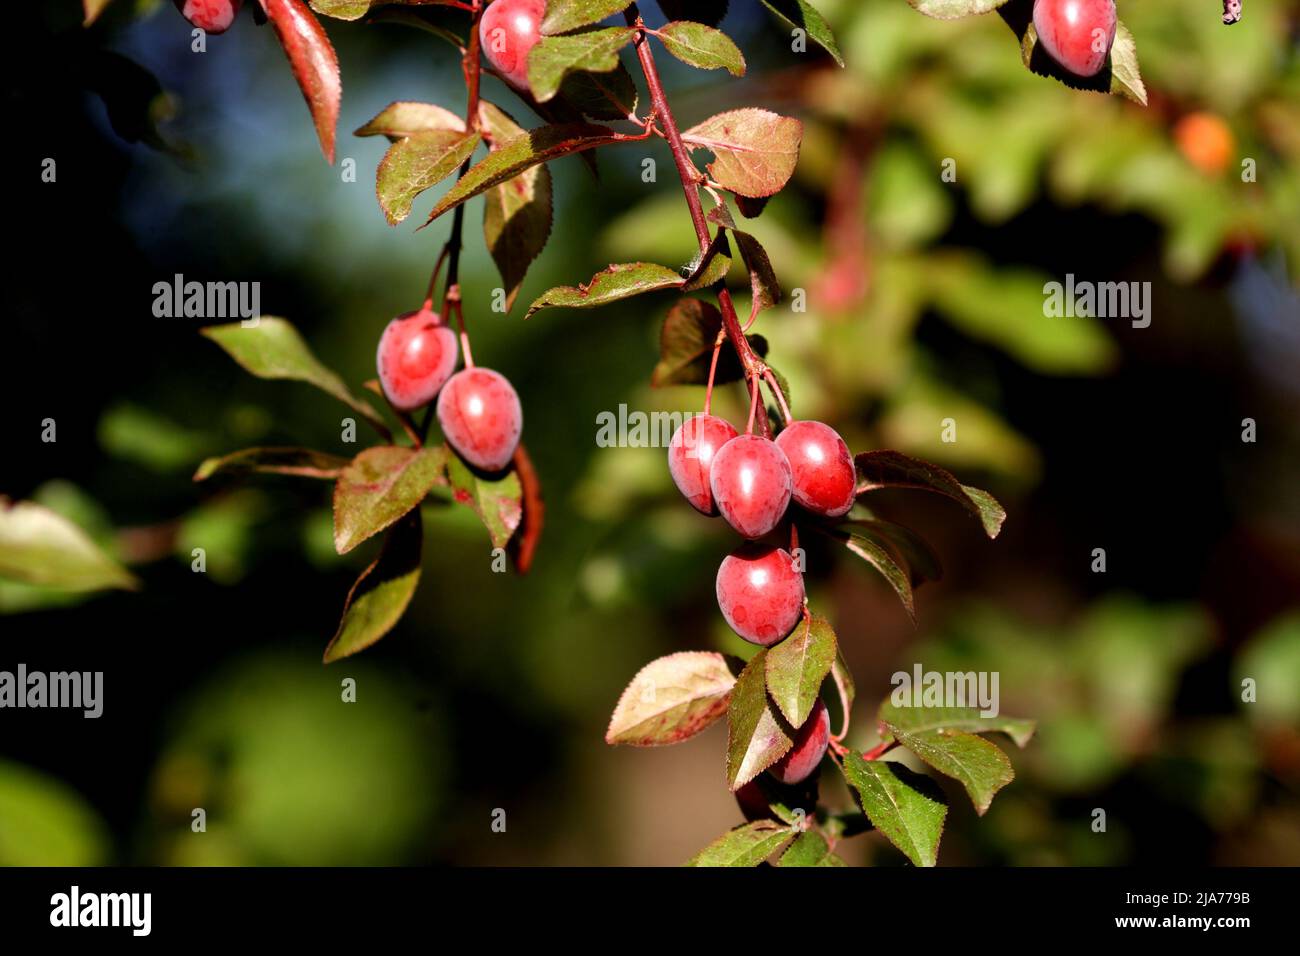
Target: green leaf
602, 96
512, 158
711, 266
842, 677
314, 63
919, 558
417, 163
749, 845
703, 47
757, 737
345, 9
671, 699
516, 213
498, 501
920, 720
47, 823
810, 849
952, 9
379, 486
1272, 660
797, 666
616, 282
565, 15
912, 820
39, 546
982, 768
892, 469
884, 561
754, 151
273, 349
802, 15
686, 347
1119, 75
381, 594
404, 118
554, 58
304, 462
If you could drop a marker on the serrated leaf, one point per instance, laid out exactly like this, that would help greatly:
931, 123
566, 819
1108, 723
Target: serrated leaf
757, 737
754, 150
894, 801
303, 462
39, 546
981, 767
921, 561
554, 58
671, 699
565, 15
885, 562
1119, 75
702, 47
523, 152
404, 118
952, 9
749, 845
417, 163
797, 666
686, 347
516, 213
380, 485
620, 281
383, 591
919, 720
802, 15
497, 500
273, 349
314, 62
842, 678
602, 96
892, 469
763, 283
810, 849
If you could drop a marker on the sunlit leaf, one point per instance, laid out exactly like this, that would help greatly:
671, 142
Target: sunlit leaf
314, 62
565, 15
749, 845
516, 213
754, 150
497, 500
702, 47
39, 546
904, 806
802, 15
797, 666
613, 283
380, 485
757, 736
303, 462
381, 594
981, 767
417, 163
671, 699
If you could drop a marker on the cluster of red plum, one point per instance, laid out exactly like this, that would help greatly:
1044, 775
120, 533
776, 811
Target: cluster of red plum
750, 481
478, 409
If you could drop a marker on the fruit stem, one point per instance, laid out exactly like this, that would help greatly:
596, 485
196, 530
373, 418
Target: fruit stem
753, 404
713, 371
775, 387
691, 180
879, 750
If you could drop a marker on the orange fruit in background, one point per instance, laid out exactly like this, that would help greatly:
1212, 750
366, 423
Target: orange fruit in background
1206, 141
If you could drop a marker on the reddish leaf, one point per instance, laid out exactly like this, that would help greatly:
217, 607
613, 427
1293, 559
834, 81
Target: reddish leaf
524, 543
755, 151
672, 699
381, 594
315, 64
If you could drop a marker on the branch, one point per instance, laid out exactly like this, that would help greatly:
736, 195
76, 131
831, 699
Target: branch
691, 179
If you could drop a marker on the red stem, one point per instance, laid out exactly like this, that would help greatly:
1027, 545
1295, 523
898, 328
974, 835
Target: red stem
691, 179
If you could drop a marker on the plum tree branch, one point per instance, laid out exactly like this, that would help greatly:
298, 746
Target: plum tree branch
691, 178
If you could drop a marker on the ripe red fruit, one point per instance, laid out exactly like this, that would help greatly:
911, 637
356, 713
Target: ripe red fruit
211, 16
751, 484
1077, 33
507, 30
810, 743
821, 467
416, 356
480, 416
690, 458
760, 593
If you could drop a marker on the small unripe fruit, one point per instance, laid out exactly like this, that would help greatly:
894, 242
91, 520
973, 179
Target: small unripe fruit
821, 468
690, 458
211, 16
810, 743
760, 593
507, 30
1206, 141
416, 356
480, 416
751, 484
1076, 33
